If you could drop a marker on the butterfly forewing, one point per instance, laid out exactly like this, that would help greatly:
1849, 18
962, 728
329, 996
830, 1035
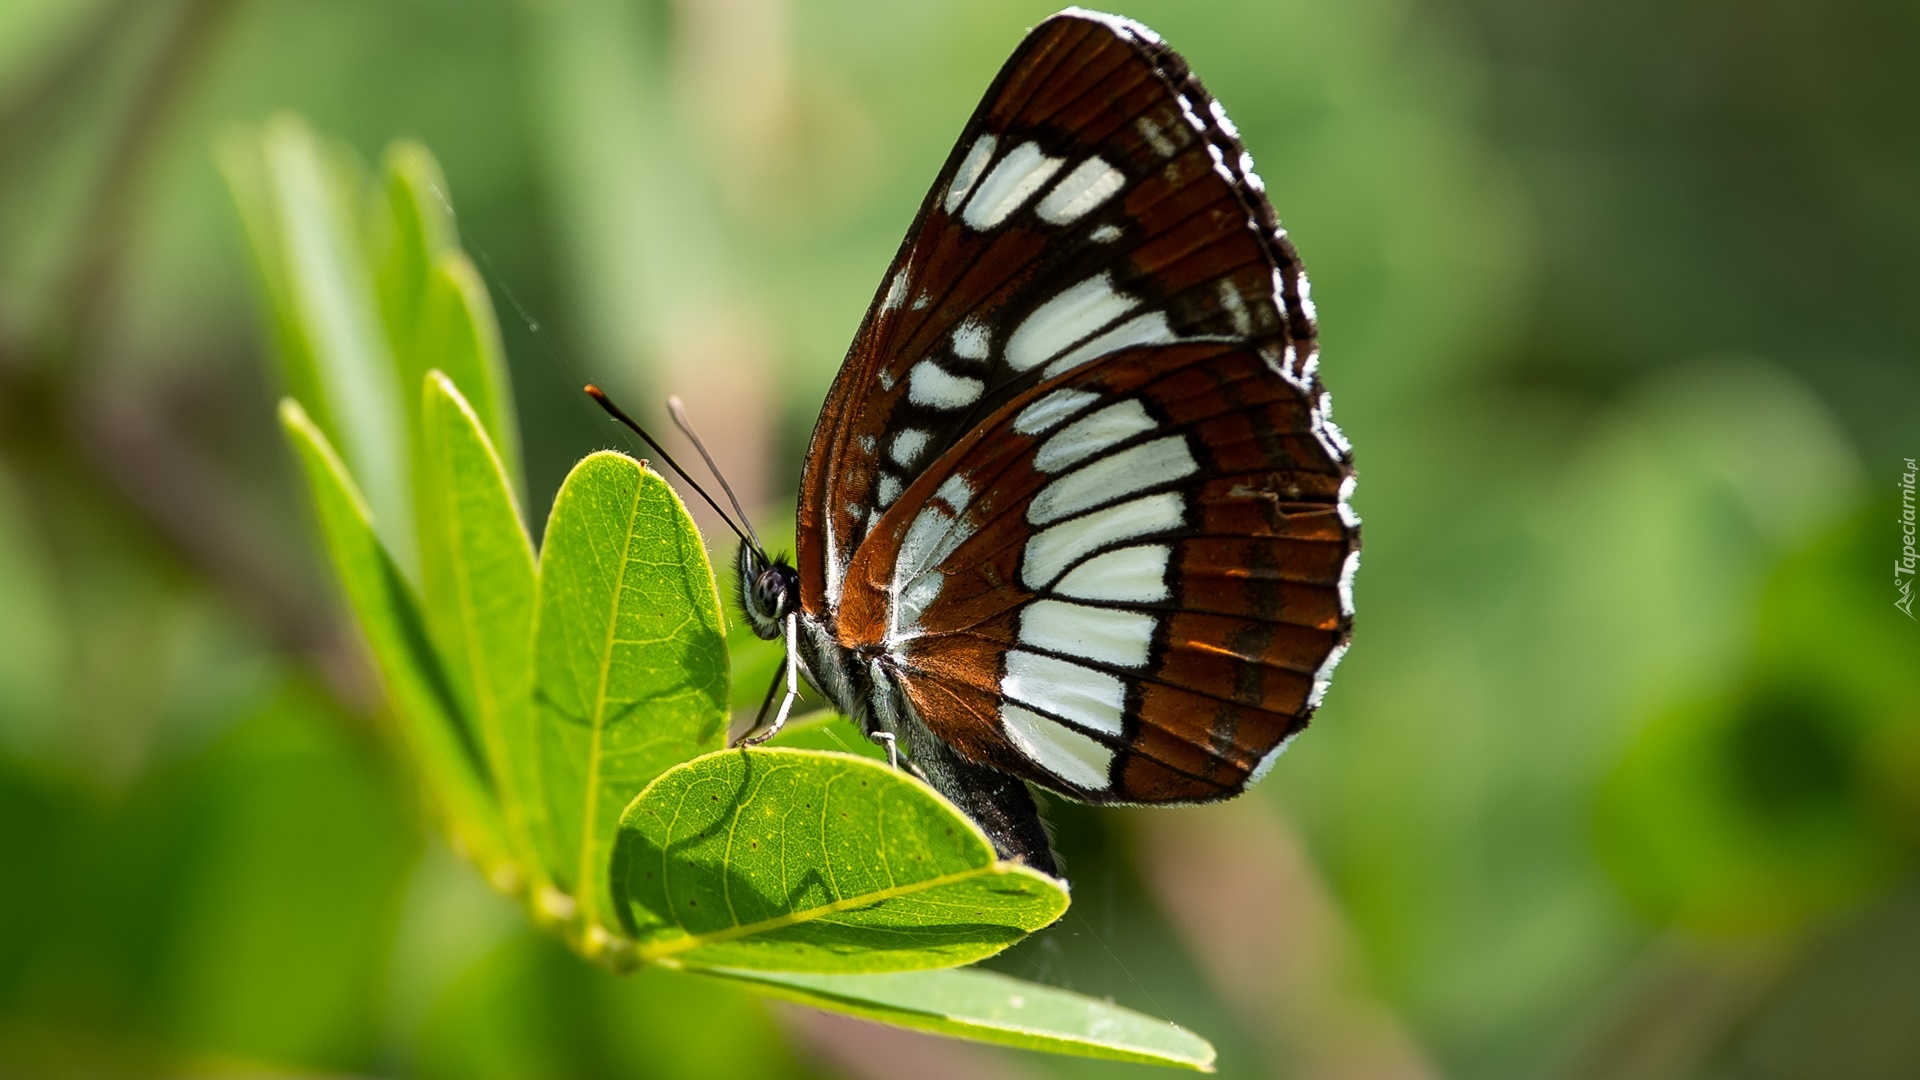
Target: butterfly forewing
1076, 486
1097, 198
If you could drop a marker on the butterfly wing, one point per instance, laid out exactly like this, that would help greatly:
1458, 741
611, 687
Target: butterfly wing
1098, 197
1130, 585
1076, 482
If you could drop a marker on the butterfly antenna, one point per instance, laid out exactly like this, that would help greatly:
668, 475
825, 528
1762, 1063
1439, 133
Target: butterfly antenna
619, 414
679, 413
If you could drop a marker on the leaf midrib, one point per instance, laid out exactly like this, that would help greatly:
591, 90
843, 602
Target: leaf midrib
795, 918
486, 695
589, 825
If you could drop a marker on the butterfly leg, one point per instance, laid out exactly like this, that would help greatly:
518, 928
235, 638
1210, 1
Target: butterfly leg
792, 666
766, 703
893, 746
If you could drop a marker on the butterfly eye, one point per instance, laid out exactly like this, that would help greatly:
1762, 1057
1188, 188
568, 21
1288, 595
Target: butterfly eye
774, 592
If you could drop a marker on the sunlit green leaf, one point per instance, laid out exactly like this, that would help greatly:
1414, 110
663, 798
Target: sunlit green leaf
410, 226
629, 661
459, 334
799, 860
477, 567
389, 615
436, 308
407, 229
300, 200
989, 1007
244, 166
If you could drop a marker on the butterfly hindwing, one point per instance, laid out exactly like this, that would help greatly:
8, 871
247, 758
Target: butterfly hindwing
1130, 585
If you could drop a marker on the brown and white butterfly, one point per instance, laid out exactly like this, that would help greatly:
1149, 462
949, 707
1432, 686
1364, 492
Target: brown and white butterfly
1074, 513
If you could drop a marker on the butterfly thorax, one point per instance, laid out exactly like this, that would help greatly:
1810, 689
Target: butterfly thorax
845, 677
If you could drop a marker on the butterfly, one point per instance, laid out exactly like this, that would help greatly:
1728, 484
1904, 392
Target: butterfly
1075, 514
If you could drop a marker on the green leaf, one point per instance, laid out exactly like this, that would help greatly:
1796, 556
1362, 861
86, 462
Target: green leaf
803, 860
244, 166
423, 703
460, 335
407, 229
437, 310
478, 571
300, 200
411, 226
985, 1006
629, 661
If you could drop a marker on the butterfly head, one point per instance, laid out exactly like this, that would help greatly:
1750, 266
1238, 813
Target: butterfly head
769, 590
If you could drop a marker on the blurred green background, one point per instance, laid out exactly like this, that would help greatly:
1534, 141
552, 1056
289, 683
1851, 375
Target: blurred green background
1621, 779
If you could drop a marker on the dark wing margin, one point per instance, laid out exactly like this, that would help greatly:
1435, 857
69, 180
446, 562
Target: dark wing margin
1098, 199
